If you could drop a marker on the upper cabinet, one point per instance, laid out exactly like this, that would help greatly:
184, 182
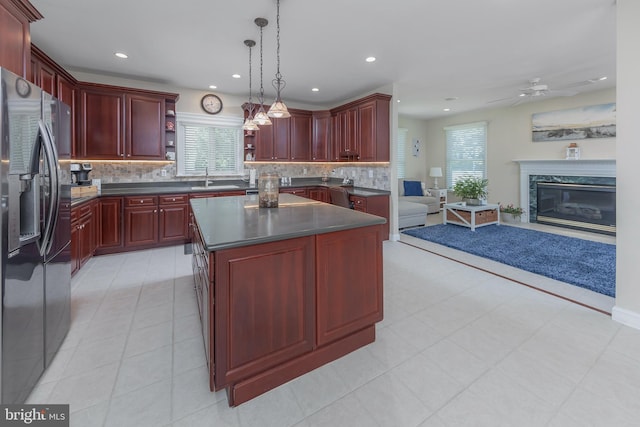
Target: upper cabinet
15, 38
321, 139
361, 130
358, 131
123, 124
284, 140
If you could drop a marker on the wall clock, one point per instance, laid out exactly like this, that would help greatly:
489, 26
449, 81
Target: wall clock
23, 87
211, 103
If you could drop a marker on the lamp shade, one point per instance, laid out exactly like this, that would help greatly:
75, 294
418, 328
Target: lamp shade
435, 172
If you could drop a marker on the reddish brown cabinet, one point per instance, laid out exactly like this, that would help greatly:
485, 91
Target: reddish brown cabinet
321, 139
320, 194
300, 142
300, 191
145, 127
15, 38
140, 221
83, 234
361, 130
173, 218
110, 225
375, 205
122, 123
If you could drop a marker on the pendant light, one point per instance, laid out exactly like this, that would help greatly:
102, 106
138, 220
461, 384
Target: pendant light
278, 109
261, 116
249, 123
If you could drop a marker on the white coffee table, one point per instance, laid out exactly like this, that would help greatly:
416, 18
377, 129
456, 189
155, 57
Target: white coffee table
471, 216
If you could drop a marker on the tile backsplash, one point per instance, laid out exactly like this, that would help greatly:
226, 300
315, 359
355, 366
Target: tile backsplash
365, 175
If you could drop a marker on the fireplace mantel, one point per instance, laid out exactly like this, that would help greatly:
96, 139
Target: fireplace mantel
579, 167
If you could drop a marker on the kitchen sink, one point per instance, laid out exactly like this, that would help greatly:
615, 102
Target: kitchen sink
216, 187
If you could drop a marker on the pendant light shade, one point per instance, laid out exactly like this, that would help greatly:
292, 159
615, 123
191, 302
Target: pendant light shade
278, 109
261, 116
249, 123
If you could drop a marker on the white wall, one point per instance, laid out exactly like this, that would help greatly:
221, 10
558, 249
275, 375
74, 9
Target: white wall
509, 138
415, 166
627, 309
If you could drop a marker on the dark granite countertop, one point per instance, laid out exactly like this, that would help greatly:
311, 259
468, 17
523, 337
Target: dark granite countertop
168, 187
229, 222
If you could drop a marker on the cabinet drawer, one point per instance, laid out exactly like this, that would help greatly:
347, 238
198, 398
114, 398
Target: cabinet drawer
130, 202
173, 199
359, 203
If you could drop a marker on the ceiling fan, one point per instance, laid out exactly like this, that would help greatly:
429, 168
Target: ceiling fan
537, 89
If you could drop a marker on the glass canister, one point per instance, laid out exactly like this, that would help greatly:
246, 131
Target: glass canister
268, 190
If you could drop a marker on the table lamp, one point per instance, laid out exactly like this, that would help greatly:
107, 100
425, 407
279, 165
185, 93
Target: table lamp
435, 173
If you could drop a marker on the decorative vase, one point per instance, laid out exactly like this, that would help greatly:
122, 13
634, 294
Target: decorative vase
509, 218
473, 202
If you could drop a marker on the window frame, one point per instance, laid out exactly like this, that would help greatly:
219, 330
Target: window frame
449, 161
192, 119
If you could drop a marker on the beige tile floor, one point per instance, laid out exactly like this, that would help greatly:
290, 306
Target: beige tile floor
457, 347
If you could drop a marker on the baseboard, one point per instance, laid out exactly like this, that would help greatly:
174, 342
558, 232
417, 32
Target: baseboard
626, 317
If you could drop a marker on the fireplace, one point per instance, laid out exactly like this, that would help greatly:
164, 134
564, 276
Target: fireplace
590, 174
580, 206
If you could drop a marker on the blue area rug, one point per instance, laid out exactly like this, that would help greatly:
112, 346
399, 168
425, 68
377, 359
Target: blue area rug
590, 265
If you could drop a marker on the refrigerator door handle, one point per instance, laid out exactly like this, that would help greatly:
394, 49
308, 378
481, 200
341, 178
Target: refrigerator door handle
51, 158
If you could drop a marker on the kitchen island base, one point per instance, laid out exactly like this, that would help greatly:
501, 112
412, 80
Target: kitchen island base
276, 310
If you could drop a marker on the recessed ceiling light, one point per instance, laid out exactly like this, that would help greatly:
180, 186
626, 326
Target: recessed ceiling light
236, 76
446, 109
315, 89
121, 55
398, 100
523, 94
603, 78
370, 59
213, 87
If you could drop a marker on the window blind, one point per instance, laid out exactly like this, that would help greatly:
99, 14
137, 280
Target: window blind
402, 152
209, 144
466, 151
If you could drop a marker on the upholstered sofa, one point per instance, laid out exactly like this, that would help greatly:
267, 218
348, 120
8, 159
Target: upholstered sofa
413, 209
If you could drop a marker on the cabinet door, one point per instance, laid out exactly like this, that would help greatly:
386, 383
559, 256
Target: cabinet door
321, 138
15, 46
145, 127
110, 223
281, 138
302, 192
351, 132
300, 146
140, 226
262, 320
173, 222
46, 77
320, 194
346, 273
67, 93
86, 238
367, 132
263, 142
101, 123
75, 242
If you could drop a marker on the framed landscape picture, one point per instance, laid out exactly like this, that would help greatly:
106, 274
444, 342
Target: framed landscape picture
595, 121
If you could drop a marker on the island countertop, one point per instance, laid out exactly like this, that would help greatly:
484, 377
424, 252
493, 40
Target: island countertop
229, 222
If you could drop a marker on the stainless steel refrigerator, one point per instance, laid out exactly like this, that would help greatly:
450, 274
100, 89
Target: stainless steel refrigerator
35, 255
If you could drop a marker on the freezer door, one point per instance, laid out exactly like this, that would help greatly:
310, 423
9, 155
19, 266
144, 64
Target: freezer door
22, 324
57, 301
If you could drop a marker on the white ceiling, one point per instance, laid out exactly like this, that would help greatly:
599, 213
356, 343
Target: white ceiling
475, 50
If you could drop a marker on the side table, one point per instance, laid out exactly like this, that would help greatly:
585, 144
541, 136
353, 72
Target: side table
471, 216
439, 193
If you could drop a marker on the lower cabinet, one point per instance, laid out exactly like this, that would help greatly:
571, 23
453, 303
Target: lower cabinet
320, 194
83, 234
302, 192
110, 228
375, 205
149, 220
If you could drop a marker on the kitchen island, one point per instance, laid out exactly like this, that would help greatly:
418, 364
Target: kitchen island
284, 290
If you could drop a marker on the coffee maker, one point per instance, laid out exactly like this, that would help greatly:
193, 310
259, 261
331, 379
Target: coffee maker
80, 173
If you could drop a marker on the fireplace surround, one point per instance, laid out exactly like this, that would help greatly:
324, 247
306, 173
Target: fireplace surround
590, 172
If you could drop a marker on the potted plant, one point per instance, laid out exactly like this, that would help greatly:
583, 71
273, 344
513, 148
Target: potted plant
510, 213
471, 189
